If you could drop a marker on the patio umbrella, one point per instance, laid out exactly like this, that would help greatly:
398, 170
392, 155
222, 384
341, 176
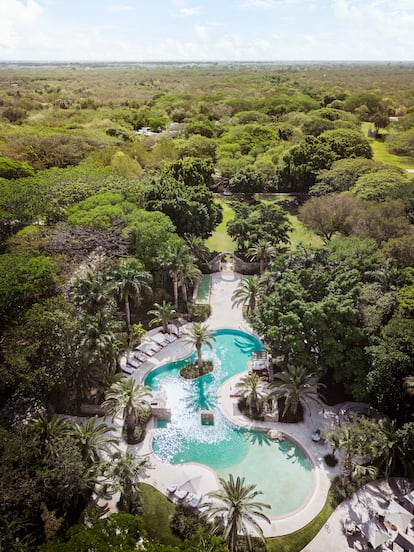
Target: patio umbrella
374, 533
192, 485
398, 515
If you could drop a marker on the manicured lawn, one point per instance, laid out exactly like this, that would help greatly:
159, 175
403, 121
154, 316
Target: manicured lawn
203, 295
382, 155
158, 511
220, 240
295, 542
301, 235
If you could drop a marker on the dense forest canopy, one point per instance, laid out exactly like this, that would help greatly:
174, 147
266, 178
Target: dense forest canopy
111, 180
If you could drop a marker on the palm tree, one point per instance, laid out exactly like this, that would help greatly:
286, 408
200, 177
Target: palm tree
253, 389
91, 292
199, 335
188, 273
296, 384
130, 397
129, 281
237, 509
50, 429
91, 437
247, 292
262, 251
164, 314
175, 258
98, 337
197, 247
126, 471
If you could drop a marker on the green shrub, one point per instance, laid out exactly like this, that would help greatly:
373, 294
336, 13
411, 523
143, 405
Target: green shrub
198, 313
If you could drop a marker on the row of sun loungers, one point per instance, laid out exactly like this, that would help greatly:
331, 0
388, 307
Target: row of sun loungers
150, 347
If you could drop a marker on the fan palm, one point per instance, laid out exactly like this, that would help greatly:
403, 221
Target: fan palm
130, 397
174, 259
98, 337
295, 384
198, 335
50, 429
163, 314
253, 389
91, 292
237, 509
129, 281
126, 471
247, 292
188, 274
91, 437
262, 251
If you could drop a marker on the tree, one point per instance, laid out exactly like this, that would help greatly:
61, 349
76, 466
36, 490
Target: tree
150, 232
91, 437
248, 292
130, 397
192, 171
328, 214
98, 337
237, 510
247, 181
164, 314
199, 335
387, 183
126, 470
191, 209
24, 279
262, 222
347, 143
175, 258
91, 293
296, 384
129, 281
253, 389
343, 175
262, 251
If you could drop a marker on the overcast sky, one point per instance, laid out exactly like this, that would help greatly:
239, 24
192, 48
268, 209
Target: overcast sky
184, 30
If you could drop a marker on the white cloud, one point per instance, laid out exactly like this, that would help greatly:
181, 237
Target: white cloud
119, 8
202, 32
17, 18
267, 4
191, 11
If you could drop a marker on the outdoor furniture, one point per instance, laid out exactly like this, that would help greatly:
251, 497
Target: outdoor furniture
134, 362
180, 495
140, 356
127, 369
350, 527
160, 339
316, 435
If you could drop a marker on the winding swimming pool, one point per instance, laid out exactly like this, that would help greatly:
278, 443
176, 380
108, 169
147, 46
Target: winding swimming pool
279, 469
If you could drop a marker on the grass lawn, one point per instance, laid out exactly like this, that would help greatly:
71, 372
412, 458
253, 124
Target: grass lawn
301, 235
382, 155
203, 296
158, 511
220, 240
295, 542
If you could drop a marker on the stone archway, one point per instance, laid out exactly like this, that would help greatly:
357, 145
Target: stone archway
239, 265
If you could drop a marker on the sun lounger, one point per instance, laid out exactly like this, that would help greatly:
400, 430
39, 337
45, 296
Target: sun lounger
194, 501
140, 356
171, 338
180, 495
171, 489
128, 369
134, 362
160, 339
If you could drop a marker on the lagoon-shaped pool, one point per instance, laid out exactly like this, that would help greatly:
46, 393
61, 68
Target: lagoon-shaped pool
281, 470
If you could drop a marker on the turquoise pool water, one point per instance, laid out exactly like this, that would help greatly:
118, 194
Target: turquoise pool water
279, 469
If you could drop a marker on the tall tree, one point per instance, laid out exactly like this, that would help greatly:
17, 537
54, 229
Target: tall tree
262, 251
91, 438
126, 470
163, 314
237, 509
129, 281
247, 292
175, 258
254, 390
130, 397
295, 384
198, 335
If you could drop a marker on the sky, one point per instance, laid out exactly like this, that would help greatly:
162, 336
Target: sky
206, 30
